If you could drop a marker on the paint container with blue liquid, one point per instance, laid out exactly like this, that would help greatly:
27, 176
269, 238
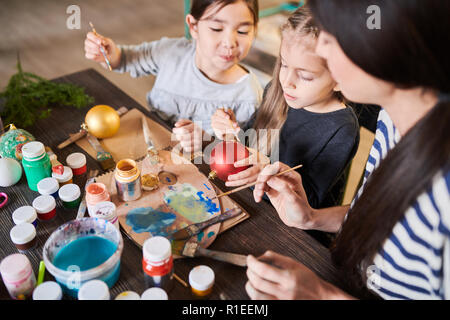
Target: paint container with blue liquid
128, 180
84, 250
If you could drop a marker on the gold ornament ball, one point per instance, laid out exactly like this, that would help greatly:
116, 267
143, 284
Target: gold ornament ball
102, 121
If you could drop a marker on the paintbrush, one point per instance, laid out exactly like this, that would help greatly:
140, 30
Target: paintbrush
103, 157
101, 47
82, 208
254, 183
57, 167
193, 249
196, 228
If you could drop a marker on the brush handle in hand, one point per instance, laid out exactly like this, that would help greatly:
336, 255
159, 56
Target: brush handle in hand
233, 258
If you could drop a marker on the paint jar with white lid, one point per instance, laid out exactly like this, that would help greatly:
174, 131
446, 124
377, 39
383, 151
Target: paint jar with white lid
48, 187
18, 276
23, 236
70, 195
94, 290
45, 207
49, 290
25, 214
65, 178
128, 295
154, 293
106, 210
157, 263
77, 162
201, 279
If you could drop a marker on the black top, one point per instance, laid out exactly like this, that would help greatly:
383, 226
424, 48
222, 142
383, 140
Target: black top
324, 143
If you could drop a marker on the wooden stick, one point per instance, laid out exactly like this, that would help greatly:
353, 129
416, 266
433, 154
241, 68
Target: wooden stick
254, 183
180, 280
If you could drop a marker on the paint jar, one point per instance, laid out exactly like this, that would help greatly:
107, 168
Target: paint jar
48, 187
157, 263
49, 290
77, 162
70, 195
65, 178
201, 279
83, 250
25, 214
36, 163
128, 295
45, 207
23, 236
106, 210
96, 193
154, 293
18, 276
94, 290
128, 180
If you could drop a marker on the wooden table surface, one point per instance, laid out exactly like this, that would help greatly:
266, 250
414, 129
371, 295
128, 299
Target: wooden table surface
262, 231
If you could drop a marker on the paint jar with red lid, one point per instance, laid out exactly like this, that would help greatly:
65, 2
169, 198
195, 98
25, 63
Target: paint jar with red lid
157, 263
45, 207
77, 162
18, 276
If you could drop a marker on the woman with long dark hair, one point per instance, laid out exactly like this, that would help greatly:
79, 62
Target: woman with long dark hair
394, 239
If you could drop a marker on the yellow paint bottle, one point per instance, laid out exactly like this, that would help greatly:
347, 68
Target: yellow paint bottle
201, 279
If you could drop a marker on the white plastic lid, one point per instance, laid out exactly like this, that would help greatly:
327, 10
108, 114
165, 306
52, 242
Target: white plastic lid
24, 214
154, 293
76, 160
48, 186
15, 267
49, 290
44, 204
69, 192
32, 150
201, 278
94, 290
104, 210
66, 176
157, 249
128, 295
23, 233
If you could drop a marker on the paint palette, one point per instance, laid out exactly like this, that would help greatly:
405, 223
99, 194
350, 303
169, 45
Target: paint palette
183, 198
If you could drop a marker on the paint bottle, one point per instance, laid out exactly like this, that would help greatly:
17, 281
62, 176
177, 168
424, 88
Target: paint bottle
23, 236
157, 263
36, 163
18, 276
128, 295
96, 193
45, 207
201, 279
77, 162
70, 195
25, 214
106, 210
128, 180
48, 187
49, 290
154, 293
65, 178
94, 290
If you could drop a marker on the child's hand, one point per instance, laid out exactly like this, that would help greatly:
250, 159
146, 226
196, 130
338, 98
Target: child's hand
223, 123
92, 46
257, 161
189, 135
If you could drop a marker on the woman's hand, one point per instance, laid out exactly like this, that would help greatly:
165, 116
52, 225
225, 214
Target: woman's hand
282, 278
224, 123
92, 45
286, 194
257, 161
189, 135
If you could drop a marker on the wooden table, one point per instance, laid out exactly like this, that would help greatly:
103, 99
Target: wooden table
263, 231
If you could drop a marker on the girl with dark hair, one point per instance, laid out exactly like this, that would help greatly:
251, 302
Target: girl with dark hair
394, 239
302, 119
194, 77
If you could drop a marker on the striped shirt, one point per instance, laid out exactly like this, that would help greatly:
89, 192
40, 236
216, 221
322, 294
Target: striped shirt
414, 262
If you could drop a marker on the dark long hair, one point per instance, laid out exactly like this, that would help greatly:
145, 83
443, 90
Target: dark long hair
407, 51
199, 7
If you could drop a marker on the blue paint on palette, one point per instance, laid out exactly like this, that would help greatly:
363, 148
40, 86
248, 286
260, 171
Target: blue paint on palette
207, 186
210, 234
211, 207
150, 220
200, 236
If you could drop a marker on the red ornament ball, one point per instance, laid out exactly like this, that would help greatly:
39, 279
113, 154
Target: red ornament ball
223, 157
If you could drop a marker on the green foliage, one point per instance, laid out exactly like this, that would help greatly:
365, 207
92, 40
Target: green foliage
28, 97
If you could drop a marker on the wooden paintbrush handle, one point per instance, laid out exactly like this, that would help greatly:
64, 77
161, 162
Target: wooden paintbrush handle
73, 138
233, 258
222, 217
